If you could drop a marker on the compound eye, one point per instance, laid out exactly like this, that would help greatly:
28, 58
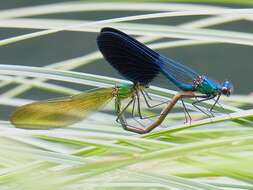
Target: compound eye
225, 91
227, 88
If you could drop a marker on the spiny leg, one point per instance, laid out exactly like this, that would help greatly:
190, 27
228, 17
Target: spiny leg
139, 112
140, 130
149, 97
124, 109
121, 119
215, 102
202, 111
167, 109
206, 97
139, 107
133, 108
163, 114
146, 95
186, 112
134, 102
225, 111
152, 116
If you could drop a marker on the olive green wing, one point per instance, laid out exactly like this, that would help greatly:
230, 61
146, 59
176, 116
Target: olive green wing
60, 112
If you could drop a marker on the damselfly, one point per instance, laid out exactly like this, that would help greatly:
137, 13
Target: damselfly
137, 63
140, 64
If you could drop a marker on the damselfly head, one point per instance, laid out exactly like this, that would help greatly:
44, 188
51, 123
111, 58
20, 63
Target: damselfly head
226, 88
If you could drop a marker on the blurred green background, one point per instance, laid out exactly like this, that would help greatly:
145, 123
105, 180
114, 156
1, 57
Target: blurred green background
219, 61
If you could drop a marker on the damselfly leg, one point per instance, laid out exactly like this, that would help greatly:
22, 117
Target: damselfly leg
215, 102
205, 98
121, 112
186, 112
161, 117
147, 96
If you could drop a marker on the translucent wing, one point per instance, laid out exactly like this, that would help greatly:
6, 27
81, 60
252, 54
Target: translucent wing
138, 63
60, 112
129, 57
181, 75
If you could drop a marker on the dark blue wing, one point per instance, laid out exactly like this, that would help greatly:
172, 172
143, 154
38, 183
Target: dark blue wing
138, 63
129, 57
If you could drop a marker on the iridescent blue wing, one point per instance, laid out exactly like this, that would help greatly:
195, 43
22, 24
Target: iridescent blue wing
181, 75
129, 57
138, 63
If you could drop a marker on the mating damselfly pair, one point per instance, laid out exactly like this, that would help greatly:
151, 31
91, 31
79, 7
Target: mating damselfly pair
137, 63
